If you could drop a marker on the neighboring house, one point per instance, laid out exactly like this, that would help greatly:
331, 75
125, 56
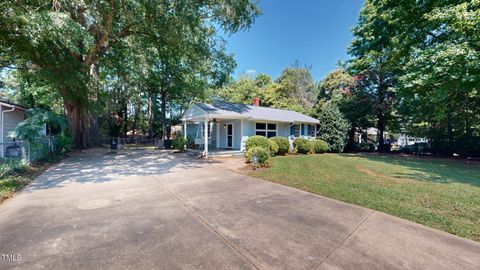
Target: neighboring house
224, 125
404, 140
10, 115
371, 135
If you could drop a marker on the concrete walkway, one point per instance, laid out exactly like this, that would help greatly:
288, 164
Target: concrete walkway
154, 210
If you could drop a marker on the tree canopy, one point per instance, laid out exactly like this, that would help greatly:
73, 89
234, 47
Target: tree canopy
79, 48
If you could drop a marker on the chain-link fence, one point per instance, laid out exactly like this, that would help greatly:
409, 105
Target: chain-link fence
126, 142
30, 151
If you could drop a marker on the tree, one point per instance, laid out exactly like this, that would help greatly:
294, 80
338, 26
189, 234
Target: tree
333, 127
430, 51
440, 81
334, 86
64, 42
355, 103
296, 85
374, 63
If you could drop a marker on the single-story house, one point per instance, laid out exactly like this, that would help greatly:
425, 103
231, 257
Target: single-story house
224, 125
10, 115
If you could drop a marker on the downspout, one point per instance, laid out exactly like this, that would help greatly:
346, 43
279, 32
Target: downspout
3, 126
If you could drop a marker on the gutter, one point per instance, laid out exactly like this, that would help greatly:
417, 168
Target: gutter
12, 108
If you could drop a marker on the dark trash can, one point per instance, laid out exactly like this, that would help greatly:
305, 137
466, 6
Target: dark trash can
13, 151
168, 144
114, 143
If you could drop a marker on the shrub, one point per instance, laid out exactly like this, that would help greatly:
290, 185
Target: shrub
257, 141
273, 147
179, 143
333, 127
320, 146
283, 145
64, 142
262, 154
302, 146
11, 166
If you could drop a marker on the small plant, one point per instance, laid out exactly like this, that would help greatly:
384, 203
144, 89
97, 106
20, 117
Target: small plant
179, 143
273, 147
262, 156
10, 166
320, 146
257, 141
302, 146
283, 145
64, 143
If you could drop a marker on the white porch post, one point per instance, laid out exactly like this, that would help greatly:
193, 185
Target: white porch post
315, 129
218, 134
185, 131
205, 137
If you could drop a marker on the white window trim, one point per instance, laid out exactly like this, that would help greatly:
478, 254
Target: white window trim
266, 130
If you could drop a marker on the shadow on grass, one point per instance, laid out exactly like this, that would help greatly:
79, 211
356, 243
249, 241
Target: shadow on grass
100, 165
428, 169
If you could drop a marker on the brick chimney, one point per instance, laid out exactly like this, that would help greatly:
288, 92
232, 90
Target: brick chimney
256, 101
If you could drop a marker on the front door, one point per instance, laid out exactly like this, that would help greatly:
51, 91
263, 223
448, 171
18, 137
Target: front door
230, 135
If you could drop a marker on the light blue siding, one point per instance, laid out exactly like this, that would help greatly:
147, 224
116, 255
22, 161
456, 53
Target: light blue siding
248, 128
193, 111
223, 134
283, 129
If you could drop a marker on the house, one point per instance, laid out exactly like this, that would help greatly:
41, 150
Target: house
224, 125
404, 140
10, 115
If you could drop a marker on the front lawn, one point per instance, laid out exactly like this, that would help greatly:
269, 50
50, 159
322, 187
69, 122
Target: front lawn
441, 194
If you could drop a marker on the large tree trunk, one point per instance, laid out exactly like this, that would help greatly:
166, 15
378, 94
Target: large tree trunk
79, 124
450, 133
381, 132
163, 97
150, 116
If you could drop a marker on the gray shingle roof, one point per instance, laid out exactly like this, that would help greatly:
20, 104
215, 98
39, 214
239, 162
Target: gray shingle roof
227, 109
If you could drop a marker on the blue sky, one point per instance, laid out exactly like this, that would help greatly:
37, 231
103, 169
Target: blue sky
314, 32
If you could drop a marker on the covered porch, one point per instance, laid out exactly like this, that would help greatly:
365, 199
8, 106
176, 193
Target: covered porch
214, 136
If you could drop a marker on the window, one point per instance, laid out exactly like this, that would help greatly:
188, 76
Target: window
266, 129
312, 130
296, 131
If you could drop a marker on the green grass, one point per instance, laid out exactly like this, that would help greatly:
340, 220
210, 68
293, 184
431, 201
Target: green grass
11, 184
441, 194
14, 176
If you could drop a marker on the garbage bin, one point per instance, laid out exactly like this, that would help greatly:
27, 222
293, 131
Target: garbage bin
114, 144
168, 144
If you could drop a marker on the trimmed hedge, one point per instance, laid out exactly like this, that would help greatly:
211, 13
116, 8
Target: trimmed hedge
273, 147
320, 146
283, 145
255, 141
302, 146
263, 155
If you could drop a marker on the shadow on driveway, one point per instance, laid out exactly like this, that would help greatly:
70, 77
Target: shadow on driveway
100, 165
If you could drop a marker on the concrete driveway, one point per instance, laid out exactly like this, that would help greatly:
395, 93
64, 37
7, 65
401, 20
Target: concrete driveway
154, 210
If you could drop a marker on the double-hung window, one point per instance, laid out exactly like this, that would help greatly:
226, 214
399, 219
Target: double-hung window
266, 129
